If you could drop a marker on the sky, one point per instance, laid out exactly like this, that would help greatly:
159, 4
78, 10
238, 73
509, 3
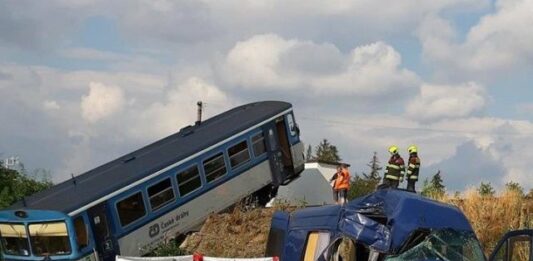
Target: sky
84, 82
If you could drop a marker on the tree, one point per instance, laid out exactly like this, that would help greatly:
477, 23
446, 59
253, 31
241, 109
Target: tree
486, 190
15, 185
434, 188
437, 183
512, 186
309, 155
327, 152
375, 167
367, 183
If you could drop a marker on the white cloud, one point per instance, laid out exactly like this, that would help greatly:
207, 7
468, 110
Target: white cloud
163, 118
335, 21
500, 42
440, 101
101, 102
269, 61
165, 21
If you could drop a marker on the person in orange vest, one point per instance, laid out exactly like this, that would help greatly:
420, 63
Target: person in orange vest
342, 184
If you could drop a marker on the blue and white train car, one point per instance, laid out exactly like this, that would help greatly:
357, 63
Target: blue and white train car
129, 205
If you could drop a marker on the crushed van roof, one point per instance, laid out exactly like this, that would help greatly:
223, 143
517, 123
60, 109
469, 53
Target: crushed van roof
407, 212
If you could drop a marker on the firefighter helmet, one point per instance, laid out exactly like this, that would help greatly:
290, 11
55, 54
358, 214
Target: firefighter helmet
393, 149
412, 149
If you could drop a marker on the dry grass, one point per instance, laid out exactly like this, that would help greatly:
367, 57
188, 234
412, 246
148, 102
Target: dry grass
236, 234
493, 216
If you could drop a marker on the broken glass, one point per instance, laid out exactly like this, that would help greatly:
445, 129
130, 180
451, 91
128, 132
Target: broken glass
447, 244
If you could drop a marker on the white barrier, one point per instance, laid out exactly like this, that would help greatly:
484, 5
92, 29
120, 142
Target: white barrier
169, 258
195, 257
239, 259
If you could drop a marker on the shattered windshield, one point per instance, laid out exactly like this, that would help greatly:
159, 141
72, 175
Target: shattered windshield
444, 245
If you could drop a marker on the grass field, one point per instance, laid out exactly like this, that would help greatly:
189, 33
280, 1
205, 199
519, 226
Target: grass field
493, 216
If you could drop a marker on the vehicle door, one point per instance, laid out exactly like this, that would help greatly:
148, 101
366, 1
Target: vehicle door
514, 246
274, 154
277, 235
100, 225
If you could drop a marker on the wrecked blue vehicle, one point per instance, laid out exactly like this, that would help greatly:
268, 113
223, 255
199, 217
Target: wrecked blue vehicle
388, 224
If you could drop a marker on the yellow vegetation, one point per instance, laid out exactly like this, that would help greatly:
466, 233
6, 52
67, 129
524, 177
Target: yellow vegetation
493, 216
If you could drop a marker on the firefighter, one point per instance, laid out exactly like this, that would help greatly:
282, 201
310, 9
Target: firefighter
395, 169
413, 168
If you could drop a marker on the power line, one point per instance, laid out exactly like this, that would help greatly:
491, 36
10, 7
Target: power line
380, 126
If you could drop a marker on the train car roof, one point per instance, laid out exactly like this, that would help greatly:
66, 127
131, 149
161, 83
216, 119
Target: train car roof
75, 193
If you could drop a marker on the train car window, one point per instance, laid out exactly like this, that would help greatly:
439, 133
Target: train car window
272, 140
14, 239
161, 194
293, 128
215, 167
131, 209
82, 238
258, 144
49, 238
189, 180
238, 154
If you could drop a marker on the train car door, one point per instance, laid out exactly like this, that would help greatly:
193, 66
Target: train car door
99, 219
279, 151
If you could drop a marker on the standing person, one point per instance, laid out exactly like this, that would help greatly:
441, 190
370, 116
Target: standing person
343, 184
413, 168
395, 169
333, 182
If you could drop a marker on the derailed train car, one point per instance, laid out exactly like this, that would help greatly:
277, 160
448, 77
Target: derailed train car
129, 205
388, 224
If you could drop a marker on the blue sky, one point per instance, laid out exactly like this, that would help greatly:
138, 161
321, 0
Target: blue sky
88, 81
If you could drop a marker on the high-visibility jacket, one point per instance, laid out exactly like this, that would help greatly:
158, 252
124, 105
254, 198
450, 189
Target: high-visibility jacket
343, 180
396, 168
414, 167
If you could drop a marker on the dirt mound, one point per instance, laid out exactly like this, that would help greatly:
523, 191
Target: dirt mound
240, 233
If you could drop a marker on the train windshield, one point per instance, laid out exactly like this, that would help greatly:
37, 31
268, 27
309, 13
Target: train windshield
49, 239
14, 239
40, 239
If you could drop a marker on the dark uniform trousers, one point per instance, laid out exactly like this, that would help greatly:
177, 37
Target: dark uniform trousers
413, 170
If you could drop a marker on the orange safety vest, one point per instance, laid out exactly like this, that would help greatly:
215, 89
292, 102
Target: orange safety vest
343, 180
